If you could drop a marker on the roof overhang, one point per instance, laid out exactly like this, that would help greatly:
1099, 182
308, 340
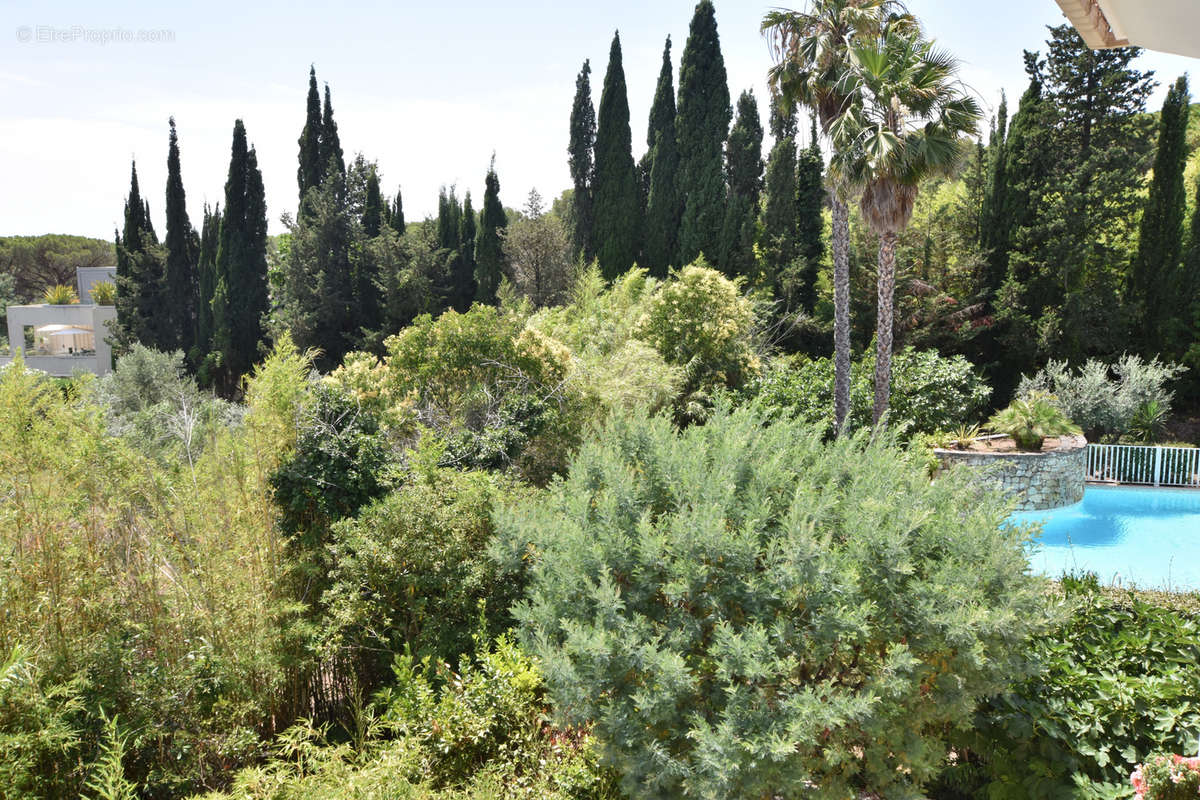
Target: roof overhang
1168, 26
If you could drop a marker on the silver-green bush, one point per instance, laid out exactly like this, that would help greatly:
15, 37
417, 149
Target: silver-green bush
740, 610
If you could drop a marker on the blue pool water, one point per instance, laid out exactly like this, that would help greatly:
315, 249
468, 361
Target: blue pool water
1148, 538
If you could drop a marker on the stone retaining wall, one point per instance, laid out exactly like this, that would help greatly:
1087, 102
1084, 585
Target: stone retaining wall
1036, 480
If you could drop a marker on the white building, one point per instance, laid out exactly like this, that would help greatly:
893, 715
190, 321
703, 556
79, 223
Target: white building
63, 340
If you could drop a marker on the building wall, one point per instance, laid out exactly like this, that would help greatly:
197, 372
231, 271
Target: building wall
87, 277
87, 316
1036, 480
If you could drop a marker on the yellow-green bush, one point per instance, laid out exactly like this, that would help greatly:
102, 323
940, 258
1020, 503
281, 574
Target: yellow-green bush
148, 593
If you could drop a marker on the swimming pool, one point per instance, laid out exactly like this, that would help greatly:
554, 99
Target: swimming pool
1148, 538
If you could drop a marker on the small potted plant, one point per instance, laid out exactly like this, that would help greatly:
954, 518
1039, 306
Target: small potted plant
1167, 777
1030, 419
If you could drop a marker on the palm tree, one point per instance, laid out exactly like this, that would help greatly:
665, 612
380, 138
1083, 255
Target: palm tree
812, 51
907, 119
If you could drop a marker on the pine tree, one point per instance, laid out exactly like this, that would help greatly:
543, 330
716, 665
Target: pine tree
207, 274
664, 208
240, 297
1102, 150
1075, 154
701, 125
581, 161
489, 256
743, 169
373, 210
617, 206
810, 225
1156, 282
309, 172
140, 286
467, 230
331, 145
182, 290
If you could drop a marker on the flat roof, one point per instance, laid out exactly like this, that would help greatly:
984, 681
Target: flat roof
1168, 26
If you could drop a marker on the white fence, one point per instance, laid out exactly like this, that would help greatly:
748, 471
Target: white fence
1147, 466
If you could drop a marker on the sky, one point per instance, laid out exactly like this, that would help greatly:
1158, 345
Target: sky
427, 90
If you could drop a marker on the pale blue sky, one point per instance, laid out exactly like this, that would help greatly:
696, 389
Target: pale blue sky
429, 90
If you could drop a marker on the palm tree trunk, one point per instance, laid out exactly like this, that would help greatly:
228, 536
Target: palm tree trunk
884, 325
841, 313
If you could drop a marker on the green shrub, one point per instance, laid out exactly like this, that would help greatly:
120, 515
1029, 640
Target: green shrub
610, 365
492, 387
340, 463
1149, 422
60, 295
1114, 681
1105, 399
146, 592
1030, 419
699, 321
39, 732
930, 392
410, 571
151, 401
104, 293
476, 734
740, 610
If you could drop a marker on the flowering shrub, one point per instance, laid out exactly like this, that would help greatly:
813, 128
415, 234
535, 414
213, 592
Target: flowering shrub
1167, 777
701, 322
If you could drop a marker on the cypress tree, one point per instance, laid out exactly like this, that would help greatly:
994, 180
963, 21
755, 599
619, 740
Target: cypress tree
309, 172
780, 210
617, 212
140, 286
331, 145
397, 214
663, 203
1190, 291
662, 110
207, 273
365, 259
701, 125
993, 227
489, 256
240, 296
460, 288
182, 290
810, 226
467, 229
580, 160
744, 168
373, 209
1155, 281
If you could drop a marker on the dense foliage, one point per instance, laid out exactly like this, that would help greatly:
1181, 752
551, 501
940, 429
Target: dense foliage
741, 610
1113, 682
305, 586
443, 734
930, 392
410, 574
1105, 399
